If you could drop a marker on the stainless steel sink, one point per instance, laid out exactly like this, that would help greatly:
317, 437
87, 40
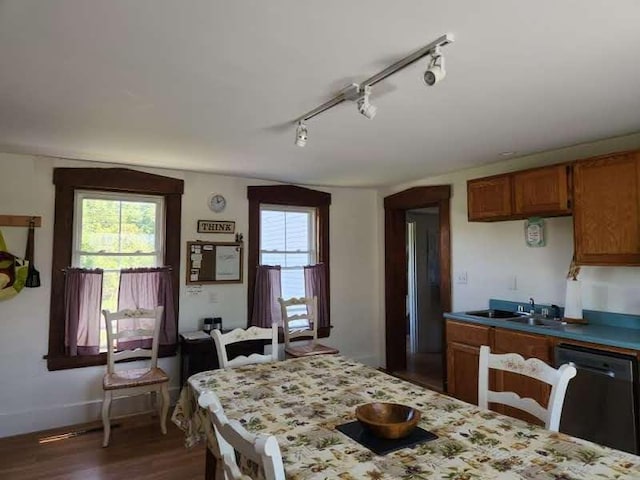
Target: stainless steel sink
517, 317
537, 321
492, 313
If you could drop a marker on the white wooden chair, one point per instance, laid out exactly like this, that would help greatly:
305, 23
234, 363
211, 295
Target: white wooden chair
133, 381
261, 451
239, 335
534, 368
302, 323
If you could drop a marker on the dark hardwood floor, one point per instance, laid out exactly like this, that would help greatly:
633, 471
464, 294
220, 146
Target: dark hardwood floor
137, 451
424, 369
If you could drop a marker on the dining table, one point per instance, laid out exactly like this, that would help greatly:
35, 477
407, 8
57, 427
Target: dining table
302, 401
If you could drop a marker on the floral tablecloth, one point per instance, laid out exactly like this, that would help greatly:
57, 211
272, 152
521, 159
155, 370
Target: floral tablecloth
300, 401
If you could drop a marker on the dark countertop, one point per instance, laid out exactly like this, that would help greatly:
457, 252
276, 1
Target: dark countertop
600, 334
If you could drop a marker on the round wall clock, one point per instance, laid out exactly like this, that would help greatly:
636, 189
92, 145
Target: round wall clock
217, 202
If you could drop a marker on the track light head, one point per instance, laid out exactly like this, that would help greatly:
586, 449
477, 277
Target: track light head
364, 107
301, 134
435, 72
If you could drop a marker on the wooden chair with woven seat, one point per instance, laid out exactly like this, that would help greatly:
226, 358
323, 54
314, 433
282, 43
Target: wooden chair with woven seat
534, 368
133, 381
299, 320
259, 455
222, 340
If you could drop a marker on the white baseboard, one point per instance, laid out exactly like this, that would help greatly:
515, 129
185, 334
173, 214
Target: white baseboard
17, 423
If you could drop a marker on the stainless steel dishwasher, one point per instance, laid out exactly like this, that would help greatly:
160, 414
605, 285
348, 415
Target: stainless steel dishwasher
601, 404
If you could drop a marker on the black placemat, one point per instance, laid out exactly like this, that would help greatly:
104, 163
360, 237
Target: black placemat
382, 446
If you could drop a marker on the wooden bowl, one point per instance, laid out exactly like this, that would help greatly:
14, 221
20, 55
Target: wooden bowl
388, 420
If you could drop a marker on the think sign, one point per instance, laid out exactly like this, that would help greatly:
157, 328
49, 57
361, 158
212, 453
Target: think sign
214, 226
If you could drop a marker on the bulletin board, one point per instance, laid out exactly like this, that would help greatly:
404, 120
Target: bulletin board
214, 262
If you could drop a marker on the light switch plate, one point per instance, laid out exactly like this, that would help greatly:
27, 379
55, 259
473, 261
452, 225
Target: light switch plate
462, 278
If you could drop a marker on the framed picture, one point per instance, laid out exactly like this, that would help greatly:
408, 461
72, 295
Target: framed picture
214, 262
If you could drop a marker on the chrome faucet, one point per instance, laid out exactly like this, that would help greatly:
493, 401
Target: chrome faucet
533, 305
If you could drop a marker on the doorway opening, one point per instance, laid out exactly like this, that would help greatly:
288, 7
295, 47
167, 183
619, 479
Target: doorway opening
417, 283
424, 307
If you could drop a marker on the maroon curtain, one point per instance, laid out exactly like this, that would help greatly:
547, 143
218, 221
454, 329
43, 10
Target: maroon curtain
82, 300
266, 309
147, 288
315, 285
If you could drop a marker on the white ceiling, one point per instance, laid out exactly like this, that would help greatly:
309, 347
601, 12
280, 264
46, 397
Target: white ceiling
209, 85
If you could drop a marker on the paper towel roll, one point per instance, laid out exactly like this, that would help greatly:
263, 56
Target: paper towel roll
573, 300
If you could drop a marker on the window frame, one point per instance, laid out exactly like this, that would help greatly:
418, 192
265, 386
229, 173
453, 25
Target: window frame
78, 217
312, 238
288, 196
81, 195
115, 180
312, 251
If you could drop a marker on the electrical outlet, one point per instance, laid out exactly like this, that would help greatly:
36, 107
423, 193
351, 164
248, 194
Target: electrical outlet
512, 283
461, 278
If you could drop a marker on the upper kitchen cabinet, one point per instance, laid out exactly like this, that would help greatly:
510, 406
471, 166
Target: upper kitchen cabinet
489, 199
607, 210
542, 191
528, 193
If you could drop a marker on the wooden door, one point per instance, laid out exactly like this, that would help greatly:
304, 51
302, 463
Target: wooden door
542, 191
489, 198
463, 353
607, 210
529, 346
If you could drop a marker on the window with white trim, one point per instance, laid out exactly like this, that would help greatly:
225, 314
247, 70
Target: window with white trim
113, 231
288, 238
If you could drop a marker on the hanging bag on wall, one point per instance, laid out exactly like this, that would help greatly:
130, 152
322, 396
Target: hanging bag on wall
33, 275
13, 272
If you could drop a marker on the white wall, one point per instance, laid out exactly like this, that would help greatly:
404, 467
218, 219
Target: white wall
492, 253
32, 398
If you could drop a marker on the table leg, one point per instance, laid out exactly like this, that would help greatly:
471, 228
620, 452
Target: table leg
210, 465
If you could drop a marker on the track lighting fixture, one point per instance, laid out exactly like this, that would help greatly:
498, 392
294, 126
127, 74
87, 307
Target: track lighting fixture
360, 92
436, 71
301, 134
364, 107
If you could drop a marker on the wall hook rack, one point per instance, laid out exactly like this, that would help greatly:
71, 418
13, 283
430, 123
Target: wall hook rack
19, 220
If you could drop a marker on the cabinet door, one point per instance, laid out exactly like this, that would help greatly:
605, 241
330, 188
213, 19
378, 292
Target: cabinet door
529, 346
489, 198
543, 191
607, 210
463, 354
462, 371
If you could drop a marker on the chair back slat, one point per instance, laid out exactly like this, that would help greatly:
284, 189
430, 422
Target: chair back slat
533, 368
222, 340
152, 316
514, 400
135, 333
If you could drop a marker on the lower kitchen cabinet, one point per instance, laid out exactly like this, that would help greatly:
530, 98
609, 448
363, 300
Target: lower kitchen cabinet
529, 346
463, 352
